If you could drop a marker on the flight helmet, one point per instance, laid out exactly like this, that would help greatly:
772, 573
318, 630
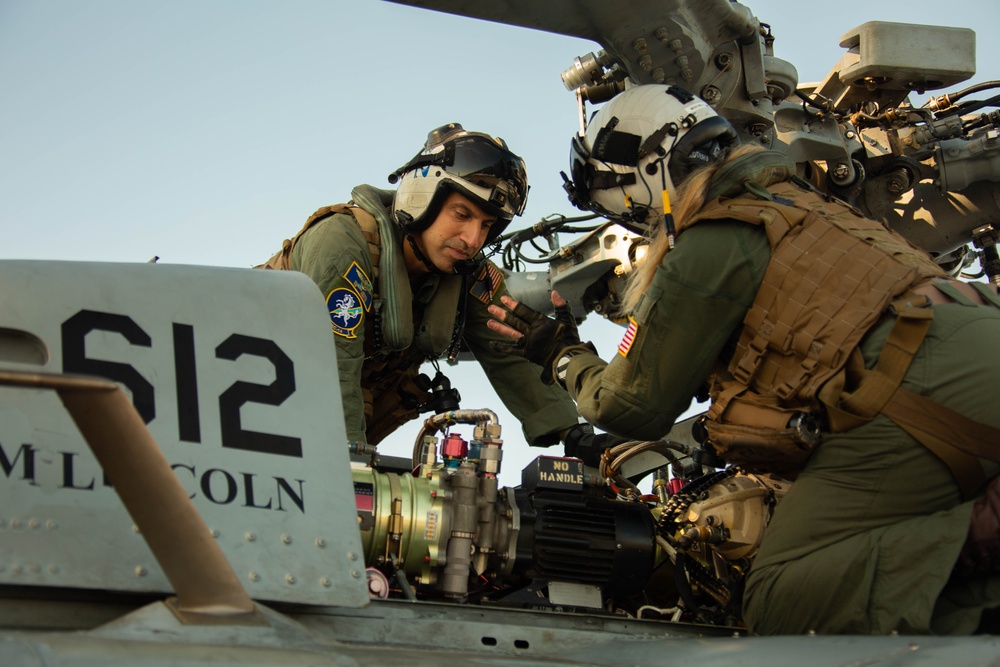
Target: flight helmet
643, 142
473, 164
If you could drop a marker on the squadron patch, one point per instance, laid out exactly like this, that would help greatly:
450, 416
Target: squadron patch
486, 283
346, 312
362, 285
628, 338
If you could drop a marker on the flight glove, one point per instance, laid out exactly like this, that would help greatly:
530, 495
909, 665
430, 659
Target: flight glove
544, 338
582, 443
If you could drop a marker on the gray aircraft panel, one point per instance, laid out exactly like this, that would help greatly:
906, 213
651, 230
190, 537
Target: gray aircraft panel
417, 634
246, 409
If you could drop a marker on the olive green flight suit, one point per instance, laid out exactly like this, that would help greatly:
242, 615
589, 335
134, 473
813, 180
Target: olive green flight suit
332, 251
865, 540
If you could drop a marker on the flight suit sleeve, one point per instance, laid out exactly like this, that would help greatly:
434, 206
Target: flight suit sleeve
691, 313
543, 410
334, 253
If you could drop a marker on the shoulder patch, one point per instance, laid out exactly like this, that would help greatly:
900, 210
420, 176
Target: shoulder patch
628, 338
362, 285
486, 283
346, 311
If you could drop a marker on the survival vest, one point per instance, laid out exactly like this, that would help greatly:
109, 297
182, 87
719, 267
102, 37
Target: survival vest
366, 221
389, 386
833, 275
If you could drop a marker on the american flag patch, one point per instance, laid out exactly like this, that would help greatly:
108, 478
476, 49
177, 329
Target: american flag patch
486, 283
627, 339
495, 276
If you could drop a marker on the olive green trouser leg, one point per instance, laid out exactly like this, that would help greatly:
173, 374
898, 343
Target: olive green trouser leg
865, 540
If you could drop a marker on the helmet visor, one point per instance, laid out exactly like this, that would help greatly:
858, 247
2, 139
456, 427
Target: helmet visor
485, 164
578, 157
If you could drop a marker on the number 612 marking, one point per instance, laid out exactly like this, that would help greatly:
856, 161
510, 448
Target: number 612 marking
75, 360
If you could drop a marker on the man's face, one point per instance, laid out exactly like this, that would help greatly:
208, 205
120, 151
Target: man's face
457, 233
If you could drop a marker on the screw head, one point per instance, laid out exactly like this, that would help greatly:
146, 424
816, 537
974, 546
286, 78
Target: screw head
723, 60
711, 94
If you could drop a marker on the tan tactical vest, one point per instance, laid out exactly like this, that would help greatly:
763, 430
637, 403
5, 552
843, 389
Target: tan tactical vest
833, 275
388, 381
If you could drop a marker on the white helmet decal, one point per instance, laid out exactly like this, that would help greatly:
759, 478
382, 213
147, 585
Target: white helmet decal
473, 164
640, 145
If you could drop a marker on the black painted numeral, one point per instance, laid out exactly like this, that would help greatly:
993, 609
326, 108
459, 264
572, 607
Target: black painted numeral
75, 360
240, 393
188, 417
231, 401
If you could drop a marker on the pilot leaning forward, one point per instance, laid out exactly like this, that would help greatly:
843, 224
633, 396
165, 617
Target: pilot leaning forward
405, 282
788, 304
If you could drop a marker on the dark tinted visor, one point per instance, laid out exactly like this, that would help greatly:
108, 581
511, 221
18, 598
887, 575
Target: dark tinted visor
483, 163
578, 156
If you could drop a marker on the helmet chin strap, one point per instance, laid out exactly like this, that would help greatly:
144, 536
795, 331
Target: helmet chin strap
418, 253
462, 267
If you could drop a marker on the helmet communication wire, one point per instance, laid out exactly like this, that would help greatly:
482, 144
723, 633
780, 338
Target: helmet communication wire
418, 253
669, 229
668, 217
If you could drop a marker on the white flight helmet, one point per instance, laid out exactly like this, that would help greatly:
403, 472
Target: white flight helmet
473, 164
640, 144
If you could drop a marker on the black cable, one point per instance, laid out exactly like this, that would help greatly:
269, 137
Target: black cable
535, 260
951, 98
579, 230
541, 250
969, 107
543, 227
826, 105
986, 85
682, 583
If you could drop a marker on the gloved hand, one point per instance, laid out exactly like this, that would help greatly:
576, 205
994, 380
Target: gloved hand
542, 339
584, 444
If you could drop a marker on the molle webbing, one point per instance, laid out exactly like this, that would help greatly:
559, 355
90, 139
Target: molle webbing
831, 277
369, 229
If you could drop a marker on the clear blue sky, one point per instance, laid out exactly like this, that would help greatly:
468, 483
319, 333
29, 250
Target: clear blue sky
205, 132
